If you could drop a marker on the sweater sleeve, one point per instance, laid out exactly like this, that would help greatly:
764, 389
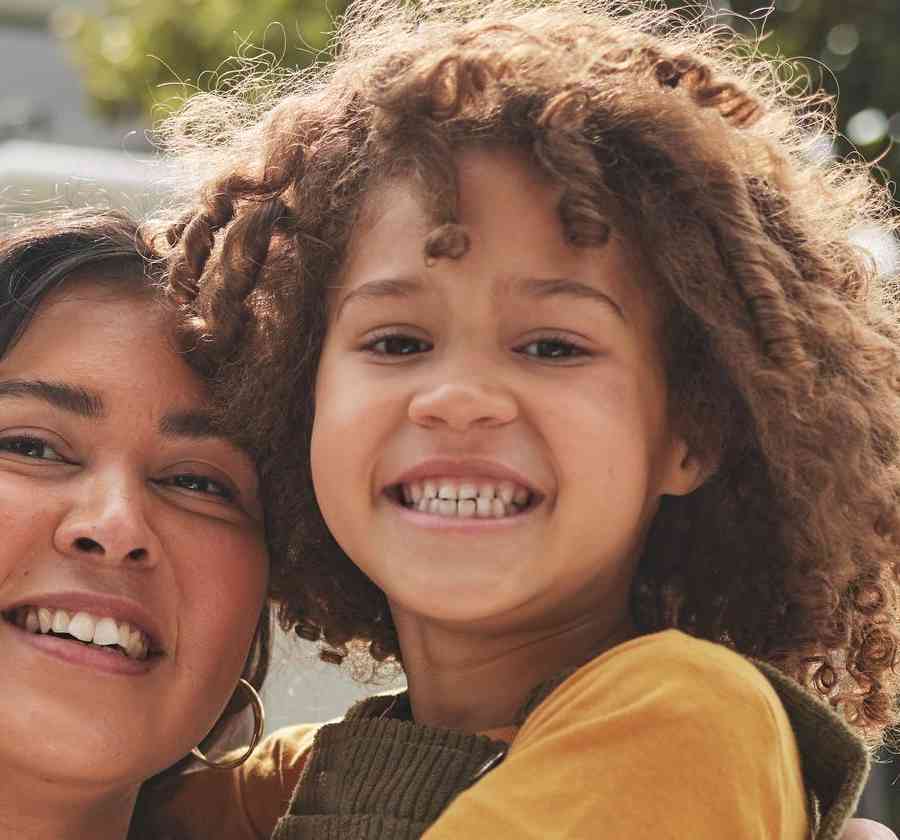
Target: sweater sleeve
244, 803
663, 737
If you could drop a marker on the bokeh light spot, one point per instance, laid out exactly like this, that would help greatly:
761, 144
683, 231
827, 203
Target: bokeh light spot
867, 126
843, 39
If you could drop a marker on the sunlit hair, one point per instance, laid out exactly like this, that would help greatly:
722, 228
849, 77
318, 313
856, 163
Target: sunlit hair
40, 256
780, 338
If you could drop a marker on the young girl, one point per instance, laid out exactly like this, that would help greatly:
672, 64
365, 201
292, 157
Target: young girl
573, 393
133, 568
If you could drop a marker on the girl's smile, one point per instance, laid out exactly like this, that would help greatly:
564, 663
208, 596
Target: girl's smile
469, 494
491, 435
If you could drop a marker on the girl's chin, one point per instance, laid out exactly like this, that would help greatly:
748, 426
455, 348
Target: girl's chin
457, 606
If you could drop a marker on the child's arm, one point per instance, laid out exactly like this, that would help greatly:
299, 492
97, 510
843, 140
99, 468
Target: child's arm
665, 736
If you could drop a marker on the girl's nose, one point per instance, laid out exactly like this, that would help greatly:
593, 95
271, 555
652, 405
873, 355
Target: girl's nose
461, 406
106, 522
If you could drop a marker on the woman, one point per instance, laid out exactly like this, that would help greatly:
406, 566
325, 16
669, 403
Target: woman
133, 570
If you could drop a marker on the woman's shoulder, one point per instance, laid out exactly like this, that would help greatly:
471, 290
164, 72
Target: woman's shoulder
268, 778
243, 803
282, 751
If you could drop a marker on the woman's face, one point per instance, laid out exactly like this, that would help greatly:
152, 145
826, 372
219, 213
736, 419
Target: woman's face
521, 382
126, 522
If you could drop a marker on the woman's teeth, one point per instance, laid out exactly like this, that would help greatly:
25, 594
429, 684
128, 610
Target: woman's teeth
482, 499
103, 632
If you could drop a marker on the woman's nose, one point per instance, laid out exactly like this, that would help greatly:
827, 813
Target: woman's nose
463, 403
106, 521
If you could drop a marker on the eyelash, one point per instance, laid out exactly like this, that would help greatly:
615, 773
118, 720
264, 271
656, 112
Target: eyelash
571, 349
17, 443
223, 491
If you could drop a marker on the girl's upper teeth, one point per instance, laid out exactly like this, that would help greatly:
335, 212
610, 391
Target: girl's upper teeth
450, 489
85, 627
466, 497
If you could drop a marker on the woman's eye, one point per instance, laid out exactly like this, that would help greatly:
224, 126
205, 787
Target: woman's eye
200, 484
398, 345
30, 447
552, 348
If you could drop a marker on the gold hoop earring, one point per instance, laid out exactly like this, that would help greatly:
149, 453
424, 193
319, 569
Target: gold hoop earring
259, 724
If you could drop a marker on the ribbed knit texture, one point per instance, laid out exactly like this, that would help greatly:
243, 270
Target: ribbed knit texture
375, 777
372, 777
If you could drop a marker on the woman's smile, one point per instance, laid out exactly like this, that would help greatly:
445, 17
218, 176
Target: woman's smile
108, 633
134, 659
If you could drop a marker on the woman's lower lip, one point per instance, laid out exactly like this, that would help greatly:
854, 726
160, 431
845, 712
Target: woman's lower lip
81, 655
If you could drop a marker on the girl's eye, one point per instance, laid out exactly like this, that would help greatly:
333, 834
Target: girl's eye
200, 484
398, 345
552, 348
30, 447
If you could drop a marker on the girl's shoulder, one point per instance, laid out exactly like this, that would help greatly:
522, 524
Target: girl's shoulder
738, 723
670, 672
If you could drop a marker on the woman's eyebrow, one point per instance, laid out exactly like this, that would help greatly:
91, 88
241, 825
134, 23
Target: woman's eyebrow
71, 398
196, 424
189, 424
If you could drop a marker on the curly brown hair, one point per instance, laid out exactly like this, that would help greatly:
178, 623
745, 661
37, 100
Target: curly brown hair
780, 335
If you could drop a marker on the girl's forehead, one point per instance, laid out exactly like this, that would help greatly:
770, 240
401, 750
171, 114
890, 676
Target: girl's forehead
508, 216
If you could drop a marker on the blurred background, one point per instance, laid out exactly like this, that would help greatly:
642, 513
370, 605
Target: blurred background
84, 80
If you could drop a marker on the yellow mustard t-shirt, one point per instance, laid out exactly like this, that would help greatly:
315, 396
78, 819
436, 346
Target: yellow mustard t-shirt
664, 736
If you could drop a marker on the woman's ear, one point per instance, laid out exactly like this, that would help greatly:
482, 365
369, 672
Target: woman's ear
686, 471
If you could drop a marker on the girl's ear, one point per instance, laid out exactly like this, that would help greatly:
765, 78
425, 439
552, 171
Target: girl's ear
686, 471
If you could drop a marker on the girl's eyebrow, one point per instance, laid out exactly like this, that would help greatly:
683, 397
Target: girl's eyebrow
543, 288
402, 287
535, 287
71, 398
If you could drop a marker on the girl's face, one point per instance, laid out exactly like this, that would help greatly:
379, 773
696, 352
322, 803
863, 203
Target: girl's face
526, 370
128, 523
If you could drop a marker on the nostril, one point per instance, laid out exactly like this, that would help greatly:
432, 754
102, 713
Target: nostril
88, 545
137, 554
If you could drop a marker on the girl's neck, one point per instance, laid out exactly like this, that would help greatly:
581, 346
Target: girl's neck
474, 684
42, 809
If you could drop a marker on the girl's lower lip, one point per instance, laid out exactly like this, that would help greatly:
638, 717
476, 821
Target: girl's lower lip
81, 655
460, 524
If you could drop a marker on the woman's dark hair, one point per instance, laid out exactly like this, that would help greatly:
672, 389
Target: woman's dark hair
37, 257
40, 256
780, 337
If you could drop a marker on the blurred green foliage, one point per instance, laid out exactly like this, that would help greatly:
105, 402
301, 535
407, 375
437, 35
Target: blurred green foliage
137, 54
852, 49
